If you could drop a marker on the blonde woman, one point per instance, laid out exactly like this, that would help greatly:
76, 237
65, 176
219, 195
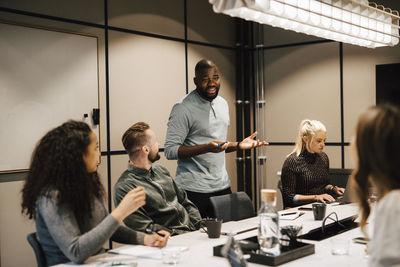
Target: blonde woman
305, 171
376, 148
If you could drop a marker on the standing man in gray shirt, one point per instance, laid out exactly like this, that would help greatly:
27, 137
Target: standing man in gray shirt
196, 136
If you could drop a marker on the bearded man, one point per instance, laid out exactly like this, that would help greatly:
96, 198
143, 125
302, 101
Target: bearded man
196, 137
167, 206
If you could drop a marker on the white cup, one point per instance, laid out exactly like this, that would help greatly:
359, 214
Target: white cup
171, 255
340, 246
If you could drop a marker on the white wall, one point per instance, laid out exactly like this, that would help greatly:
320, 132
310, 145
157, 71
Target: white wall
147, 76
300, 81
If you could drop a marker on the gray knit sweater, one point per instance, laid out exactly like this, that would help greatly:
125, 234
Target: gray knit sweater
63, 239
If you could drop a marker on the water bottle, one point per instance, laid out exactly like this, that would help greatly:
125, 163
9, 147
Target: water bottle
268, 230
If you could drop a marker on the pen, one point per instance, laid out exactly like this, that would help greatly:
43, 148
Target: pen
219, 145
247, 230
240, 232
290, 213
149, 231
116, 263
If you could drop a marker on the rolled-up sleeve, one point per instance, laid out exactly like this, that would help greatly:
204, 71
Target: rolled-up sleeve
178, 128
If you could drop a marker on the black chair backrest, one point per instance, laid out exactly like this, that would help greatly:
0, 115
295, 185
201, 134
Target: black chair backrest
37, 248
232, 207
281, 190
280, 185
339, 177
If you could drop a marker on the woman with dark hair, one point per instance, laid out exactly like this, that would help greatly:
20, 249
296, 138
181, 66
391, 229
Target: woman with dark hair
376, 148
64, 195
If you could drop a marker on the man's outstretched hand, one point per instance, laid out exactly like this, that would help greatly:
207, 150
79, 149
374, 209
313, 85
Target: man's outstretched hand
250, 142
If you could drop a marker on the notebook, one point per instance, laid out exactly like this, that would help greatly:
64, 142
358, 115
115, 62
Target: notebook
144, 251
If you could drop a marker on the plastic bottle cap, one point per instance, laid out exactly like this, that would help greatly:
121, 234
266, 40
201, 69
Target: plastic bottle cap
268, 195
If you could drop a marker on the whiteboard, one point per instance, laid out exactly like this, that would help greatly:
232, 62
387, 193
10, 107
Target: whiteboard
46, 78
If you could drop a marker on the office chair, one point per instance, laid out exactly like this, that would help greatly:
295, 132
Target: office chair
37, 248
283, 198
281, 190
233, 207
279, 186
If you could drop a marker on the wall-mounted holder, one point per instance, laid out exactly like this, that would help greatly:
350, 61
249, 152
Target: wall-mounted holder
96, 116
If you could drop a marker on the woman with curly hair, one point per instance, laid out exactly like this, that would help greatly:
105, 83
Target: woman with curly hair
376, 149
64, 195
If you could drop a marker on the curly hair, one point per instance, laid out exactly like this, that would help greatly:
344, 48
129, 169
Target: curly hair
57, 166
377, 143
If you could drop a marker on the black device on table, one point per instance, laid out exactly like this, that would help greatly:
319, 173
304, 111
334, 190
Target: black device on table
304, 208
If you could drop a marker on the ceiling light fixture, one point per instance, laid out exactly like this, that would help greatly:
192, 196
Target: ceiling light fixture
357, 22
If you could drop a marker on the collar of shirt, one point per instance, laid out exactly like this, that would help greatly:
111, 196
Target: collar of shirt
307, 154
202, 100
141, 172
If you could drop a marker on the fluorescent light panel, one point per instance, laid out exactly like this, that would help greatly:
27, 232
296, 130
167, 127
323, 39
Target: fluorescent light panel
346, 21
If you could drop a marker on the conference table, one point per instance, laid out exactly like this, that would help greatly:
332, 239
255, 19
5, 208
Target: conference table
200, 247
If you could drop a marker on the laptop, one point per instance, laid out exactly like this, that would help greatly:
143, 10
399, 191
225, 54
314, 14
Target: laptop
346, 198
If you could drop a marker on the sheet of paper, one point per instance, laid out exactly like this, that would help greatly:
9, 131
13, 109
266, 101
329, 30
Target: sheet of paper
139, 251
144, 251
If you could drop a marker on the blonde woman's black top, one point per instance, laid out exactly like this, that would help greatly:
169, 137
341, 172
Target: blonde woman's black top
306, 174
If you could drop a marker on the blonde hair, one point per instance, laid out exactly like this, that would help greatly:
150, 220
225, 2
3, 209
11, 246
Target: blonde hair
307, 128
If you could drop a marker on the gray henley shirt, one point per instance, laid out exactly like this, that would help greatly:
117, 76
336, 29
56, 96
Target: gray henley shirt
194, 121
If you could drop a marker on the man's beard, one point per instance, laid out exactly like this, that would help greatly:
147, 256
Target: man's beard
207, 96
155, 158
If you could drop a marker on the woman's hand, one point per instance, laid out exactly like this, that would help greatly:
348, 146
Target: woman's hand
338, 190
157, 240
135, 199
324, 197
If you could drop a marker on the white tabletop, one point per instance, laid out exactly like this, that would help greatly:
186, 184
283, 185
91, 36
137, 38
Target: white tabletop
200, 253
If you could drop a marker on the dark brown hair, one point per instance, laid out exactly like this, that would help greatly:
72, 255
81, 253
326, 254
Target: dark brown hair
57, 166
135, 137
377, 143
